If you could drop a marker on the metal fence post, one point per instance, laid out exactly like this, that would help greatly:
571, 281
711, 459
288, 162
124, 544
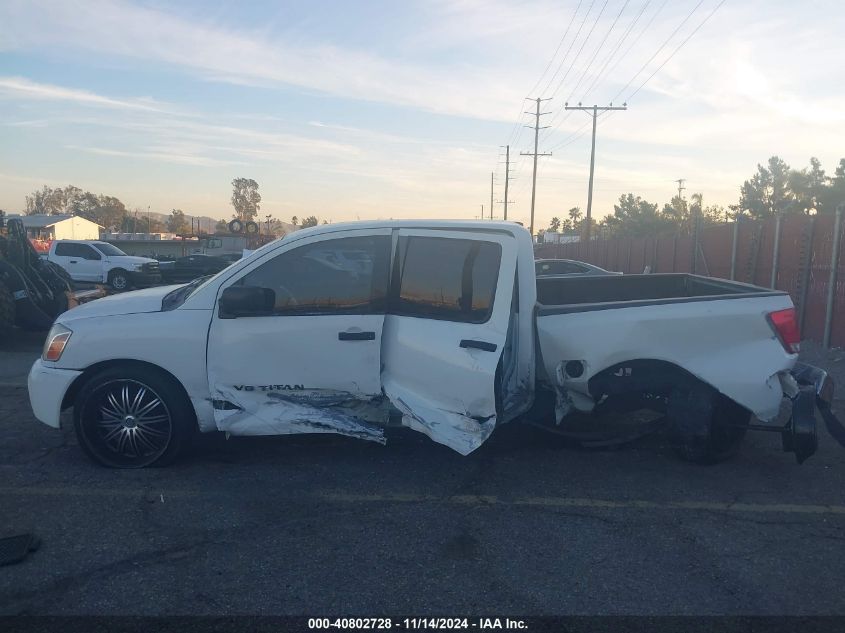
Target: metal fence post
775, 252
733, 247
806, 267
831, 284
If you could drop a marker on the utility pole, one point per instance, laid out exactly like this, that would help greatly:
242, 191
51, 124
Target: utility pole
593, 112
491, 195
507, 177
537, 129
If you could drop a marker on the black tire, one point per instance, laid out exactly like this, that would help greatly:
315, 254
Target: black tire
7, 308
119, 280
119, 426
716, 435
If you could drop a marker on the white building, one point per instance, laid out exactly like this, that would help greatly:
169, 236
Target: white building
59, 227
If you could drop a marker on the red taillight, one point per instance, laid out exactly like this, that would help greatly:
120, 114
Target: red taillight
786, 327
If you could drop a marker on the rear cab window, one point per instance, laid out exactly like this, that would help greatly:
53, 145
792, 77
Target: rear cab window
445, 278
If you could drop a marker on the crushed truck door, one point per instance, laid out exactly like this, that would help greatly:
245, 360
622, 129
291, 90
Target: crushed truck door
451, 294
311, 364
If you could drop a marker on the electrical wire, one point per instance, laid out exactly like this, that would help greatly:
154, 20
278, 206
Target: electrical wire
657, 52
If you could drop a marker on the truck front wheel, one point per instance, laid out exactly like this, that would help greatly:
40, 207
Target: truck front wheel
132, 417
119, 279
706, 427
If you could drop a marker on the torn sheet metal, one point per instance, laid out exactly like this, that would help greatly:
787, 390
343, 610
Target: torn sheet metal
727, 344
299, 411
459, 431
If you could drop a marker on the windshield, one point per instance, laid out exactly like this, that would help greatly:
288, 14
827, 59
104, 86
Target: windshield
177, 297
107, 249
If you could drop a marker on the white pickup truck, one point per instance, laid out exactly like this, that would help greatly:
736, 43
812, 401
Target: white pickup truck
101, 262
440, 326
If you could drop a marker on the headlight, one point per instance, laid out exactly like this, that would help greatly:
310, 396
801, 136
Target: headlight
56, 342
138, 266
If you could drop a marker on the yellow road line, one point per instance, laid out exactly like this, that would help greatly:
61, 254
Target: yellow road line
460, 500
597, 504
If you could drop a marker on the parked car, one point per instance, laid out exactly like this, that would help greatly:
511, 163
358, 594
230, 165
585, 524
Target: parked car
445, 330
230, 257
546, 267
101, 262
190, 267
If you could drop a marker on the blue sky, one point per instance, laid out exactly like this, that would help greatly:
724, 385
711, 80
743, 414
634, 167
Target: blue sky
397, 109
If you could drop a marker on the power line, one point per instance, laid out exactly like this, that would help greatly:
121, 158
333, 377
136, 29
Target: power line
638, 37
517, 128
571, 44
615, 50
680, 46
559, 44
657, 52
580, 50
598, 49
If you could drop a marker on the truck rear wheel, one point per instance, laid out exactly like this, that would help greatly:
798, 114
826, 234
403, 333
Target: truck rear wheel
132, 417
707, 427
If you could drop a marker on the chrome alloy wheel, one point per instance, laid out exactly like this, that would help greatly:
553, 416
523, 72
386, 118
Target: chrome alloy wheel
129, 422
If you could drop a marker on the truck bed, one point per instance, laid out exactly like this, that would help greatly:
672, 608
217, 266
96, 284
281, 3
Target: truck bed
712, 328
558, 295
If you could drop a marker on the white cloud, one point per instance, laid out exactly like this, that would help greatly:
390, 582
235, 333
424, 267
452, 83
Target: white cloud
21, 88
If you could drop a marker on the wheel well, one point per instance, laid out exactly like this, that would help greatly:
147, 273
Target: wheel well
118, 270
640, 375
79, 382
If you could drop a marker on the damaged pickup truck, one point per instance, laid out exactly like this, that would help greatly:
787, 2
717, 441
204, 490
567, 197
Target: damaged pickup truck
439, 326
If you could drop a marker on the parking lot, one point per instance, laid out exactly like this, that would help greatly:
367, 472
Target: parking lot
327, 525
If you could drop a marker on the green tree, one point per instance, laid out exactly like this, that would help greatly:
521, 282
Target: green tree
294, 220
177, 222
574, 215
221, 227
767, 191
245, 198
311, 220
554, 225
636, 217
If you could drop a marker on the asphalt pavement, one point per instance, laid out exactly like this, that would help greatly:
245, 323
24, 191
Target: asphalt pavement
327, 525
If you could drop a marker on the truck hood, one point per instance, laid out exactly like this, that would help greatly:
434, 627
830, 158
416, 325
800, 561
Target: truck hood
147, 300
128, 260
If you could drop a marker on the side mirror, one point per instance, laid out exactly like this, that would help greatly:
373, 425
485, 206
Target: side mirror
246, 301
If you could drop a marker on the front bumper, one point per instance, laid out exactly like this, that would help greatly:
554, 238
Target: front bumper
47, 388
141, 278
810, 388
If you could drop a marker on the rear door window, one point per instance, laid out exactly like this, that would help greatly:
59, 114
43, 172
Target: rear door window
445, 278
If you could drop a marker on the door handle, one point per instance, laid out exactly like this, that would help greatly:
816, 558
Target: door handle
356, 336
73, 261
482, 345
